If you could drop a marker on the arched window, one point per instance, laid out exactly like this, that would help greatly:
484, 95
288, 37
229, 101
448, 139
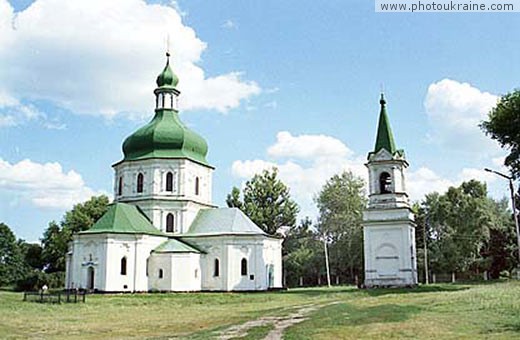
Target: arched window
385, 183
216, 269
197, 180
123, 266
140, 181
160, 273
169, 223
243, 267
120, 186
169, 182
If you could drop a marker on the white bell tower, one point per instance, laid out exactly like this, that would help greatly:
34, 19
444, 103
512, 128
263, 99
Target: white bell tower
388, 223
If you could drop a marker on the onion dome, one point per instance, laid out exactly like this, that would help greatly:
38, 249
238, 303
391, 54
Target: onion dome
165, 136
167, 78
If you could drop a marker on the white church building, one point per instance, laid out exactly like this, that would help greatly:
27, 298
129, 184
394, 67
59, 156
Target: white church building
162, 232
388, 222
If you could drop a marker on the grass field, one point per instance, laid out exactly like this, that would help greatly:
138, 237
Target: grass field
435, 311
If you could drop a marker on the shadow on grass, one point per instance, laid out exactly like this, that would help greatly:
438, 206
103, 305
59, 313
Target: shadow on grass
316, 291
419, 289
344, 315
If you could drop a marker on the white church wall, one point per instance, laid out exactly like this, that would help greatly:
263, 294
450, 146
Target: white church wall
180, 272
88, 251
273, 257
107, 251
159, 272
262, 254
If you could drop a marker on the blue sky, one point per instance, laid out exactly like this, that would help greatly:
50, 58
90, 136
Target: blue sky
288, 83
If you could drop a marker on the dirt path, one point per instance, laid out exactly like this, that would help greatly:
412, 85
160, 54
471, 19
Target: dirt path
280, 323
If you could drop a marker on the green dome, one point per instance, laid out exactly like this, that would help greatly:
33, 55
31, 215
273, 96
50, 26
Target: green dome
167, 78
165, 136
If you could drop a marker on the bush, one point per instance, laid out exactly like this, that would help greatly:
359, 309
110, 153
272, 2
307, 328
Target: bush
35, 279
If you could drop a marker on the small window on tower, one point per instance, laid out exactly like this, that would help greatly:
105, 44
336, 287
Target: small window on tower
123, 266
243, 267
169, 182
160, 273
140, 182
385, 183
197, 182
120, 186
169, 223
216, 269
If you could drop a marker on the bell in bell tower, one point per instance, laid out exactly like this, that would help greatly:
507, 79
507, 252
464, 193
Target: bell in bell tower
388, 223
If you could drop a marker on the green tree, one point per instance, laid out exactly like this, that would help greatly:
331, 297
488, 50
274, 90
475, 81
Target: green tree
56, 237
503, 125
32, 254
340, 203
267, 201
233, 199
11, 260
303, 255
467, 229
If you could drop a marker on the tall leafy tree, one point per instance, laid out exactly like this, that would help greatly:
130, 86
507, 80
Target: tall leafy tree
503, 125
468, 230
303, 254
267, 201
11, 260
341, 202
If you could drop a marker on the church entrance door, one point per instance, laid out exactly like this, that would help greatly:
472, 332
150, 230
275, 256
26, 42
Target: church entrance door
90, 278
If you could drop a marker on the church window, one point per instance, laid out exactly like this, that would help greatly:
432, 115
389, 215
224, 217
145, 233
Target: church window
169, 223
243, 267
169, 182
197, 183
216, 269
140, 182
120, 186
160, 273
123, 266
385, 183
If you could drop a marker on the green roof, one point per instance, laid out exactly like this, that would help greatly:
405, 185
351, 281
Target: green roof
385, 138
175, 246
122, 218
165, 136
223, 221
167, 78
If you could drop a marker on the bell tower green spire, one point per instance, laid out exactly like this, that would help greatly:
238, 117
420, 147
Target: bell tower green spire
385, 138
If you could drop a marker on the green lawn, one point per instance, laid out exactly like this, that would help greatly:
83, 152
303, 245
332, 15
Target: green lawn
435, 311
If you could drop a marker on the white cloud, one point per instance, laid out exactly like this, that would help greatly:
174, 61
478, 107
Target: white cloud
229, 24
101, 57
455, 109
307, 146
45, 185
305, 163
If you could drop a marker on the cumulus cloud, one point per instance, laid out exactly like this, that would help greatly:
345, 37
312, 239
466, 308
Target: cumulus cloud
44, 185
101, 57
454, 110
305, 163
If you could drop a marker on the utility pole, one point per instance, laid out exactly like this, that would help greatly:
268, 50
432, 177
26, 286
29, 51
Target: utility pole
515, 216
426, 279
326, 260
